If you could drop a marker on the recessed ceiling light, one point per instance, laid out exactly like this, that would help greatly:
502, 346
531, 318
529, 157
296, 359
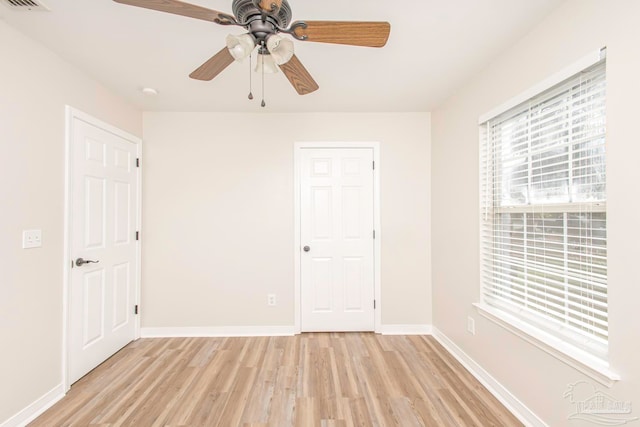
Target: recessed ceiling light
149, 91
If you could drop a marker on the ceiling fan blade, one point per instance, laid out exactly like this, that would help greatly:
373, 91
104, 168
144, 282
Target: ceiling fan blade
213, 66
270, 5
180, 8
370, 34
299, 77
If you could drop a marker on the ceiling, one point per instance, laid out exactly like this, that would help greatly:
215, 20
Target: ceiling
434, 47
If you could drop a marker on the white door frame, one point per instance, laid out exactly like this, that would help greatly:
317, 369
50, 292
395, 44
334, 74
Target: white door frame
70, 115
298, 147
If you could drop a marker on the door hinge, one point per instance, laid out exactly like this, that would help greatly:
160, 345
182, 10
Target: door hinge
135, 309
137, 235
138, 162
374, 304
374, 234
374, 165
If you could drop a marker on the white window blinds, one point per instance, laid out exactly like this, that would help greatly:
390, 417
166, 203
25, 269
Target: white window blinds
543, 202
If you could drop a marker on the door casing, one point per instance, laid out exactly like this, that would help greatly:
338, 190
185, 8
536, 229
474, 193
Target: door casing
298, 147
70, 115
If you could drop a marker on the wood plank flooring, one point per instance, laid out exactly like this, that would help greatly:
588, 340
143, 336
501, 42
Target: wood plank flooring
329, 379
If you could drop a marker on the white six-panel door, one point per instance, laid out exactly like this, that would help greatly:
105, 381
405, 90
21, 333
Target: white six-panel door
104, 198
337, 242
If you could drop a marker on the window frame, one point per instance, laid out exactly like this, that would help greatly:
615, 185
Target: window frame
590, 362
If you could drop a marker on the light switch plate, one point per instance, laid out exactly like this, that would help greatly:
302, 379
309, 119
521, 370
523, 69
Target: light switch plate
471, 325
31, 239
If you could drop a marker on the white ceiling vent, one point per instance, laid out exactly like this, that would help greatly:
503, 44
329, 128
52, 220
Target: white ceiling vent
25, 5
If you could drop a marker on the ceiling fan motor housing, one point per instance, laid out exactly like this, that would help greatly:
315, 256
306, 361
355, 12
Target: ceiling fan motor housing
246, 11
261, 30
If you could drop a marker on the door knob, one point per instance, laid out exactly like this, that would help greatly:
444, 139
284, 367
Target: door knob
306, 249
80, 262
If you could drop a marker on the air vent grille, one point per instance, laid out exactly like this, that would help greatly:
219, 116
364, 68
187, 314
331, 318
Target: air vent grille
25, 5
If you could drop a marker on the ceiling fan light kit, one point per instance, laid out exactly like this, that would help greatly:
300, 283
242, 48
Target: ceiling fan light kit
281, 49
265, 21
240, 46
266, 63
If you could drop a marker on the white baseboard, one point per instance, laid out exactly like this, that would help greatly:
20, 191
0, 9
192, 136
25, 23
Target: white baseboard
511, 402
262, 331
218, 331
35, 409
406, 329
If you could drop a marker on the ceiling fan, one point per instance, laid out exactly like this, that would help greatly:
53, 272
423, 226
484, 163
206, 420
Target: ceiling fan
265, 21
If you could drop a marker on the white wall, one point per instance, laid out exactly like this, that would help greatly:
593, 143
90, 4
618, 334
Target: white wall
36, 86
575, 29
218, 214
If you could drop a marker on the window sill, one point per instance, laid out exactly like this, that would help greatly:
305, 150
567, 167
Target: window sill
580, 360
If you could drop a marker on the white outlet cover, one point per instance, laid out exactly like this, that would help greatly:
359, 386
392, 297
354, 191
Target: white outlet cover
31, 239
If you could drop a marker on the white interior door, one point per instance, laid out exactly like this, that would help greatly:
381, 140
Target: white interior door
337, 226
104, 216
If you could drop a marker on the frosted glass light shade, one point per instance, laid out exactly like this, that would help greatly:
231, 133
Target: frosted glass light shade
270, 66
281, 49
240, 46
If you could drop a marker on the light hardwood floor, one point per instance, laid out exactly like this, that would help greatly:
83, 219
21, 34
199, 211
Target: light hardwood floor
350, 379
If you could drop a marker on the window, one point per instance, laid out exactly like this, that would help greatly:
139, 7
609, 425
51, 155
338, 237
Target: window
543, 211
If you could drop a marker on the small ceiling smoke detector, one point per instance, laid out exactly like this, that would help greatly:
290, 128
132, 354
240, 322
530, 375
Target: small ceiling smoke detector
149, 91
26, 5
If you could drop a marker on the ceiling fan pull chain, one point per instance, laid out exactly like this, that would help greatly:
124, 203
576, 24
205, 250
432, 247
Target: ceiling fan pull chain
264, 104
250, 80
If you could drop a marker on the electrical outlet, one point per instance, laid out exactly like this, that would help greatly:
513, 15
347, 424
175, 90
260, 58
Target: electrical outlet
471, 325
271, 299
31, 239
